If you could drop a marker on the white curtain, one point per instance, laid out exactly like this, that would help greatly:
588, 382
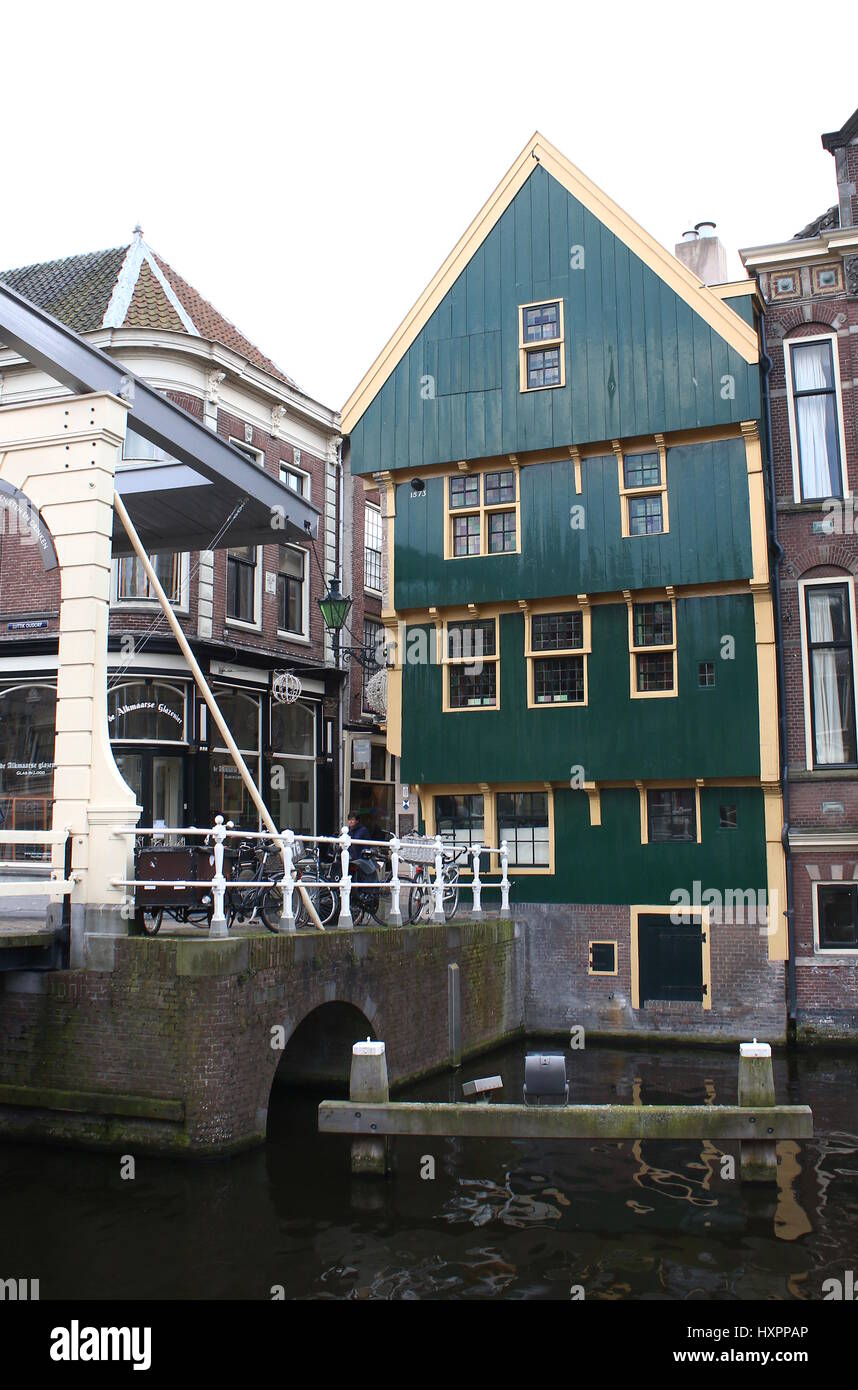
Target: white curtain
830, 717
809, 364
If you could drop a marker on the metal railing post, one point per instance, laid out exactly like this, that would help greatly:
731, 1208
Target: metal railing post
395, 909
504, 879
218, 923
287, 915
344, 841
477, 907
438, 885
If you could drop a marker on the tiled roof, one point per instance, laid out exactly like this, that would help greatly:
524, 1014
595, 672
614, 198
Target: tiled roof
76, 290
130, 287
829, 221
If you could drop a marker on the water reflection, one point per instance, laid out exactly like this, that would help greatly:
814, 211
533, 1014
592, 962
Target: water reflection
505, 1219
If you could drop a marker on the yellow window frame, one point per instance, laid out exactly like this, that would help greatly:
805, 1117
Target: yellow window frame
490, 793
635, 651
447, 661
580, 604
648, 490
525, 347
679, 784
482, 509
603, 942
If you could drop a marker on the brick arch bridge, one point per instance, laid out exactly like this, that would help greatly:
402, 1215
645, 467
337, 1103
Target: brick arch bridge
173, 1044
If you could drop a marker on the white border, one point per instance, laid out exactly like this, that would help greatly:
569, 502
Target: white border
148, 605
256, 625
788, 345
284, 632
829, 580
372, 507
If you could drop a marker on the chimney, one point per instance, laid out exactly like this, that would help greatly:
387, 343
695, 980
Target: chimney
843, 145
703, 253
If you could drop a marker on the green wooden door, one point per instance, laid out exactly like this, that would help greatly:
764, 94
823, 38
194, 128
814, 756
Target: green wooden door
670, 958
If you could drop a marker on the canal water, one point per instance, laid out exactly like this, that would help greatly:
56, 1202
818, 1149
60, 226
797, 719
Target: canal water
499, 1220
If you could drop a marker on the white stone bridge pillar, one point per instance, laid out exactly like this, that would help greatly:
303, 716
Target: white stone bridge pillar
62, 456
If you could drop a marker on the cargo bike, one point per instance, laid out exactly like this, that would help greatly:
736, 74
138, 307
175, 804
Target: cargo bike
161, 870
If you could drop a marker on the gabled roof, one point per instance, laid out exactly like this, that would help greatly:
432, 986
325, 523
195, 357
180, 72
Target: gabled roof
130, 287
539, 151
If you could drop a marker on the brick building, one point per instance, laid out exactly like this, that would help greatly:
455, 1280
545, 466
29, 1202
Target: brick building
810, 287
248, 612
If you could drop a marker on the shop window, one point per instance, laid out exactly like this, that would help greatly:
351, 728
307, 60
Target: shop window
27, 726
146, 712
228, 795
837, 916
460, 818
372, 792
292, 772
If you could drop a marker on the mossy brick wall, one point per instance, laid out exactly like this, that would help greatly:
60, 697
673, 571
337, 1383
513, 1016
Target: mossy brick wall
192, 1020
747, 990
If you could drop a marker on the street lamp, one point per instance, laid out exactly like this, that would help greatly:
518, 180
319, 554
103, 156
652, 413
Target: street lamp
335, 609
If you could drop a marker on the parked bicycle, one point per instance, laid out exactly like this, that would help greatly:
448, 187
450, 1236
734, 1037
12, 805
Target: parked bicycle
421, 898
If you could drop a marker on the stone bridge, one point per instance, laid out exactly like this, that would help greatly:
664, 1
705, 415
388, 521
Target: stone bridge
173, 1044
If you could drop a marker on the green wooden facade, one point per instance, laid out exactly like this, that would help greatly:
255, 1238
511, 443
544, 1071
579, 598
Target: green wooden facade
639, 362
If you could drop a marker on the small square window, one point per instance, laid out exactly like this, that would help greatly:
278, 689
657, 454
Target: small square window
464, 492
642, 470
501, 532
672, 815
500, 487
603, 957
655, 672
559, 680
543, 368
706, 675
541, 322
727, 818
838, 917
645, 516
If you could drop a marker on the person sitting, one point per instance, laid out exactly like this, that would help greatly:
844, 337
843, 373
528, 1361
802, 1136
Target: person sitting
361, 863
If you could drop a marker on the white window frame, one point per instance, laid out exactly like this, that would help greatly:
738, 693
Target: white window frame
803, 584
789, 344
298, 473
371, 507
824, 951
284, 632
244, 448
145, 605
256, 625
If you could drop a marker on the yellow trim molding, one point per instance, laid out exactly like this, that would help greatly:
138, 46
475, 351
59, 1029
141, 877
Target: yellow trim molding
616, 946
718, 315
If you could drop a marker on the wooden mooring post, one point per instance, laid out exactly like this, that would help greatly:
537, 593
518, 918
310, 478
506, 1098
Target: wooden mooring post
369, 1116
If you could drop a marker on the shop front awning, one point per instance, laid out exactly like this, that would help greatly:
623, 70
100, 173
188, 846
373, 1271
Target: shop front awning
179, 505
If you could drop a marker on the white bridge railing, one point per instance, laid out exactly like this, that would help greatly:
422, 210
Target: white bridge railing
433, 852
61, 881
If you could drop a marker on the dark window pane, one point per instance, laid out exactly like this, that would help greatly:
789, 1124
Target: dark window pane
500, 487
838, 921
645, 517
653, 624
466, 535
465, 492
501, 532
642, 470
240, 583
727, 817
467, 690
655, 672
603, 957
460, 819
706, 674
556, 631
672, 815
558, 680
471, 639
543, 368
523, 823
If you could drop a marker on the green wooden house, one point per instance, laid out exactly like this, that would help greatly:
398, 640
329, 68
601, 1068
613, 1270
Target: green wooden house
567, 432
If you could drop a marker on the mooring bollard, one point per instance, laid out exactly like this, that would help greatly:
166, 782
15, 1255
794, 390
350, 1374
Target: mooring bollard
368, 1084
758, 1158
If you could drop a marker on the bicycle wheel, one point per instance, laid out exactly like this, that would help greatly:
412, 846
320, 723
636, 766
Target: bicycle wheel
271, 908
148, 920
419, 902
451, 891
243, 900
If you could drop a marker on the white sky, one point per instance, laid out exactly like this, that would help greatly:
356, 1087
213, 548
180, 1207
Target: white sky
308, 167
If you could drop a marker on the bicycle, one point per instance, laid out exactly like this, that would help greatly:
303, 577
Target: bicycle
256, 860
421, 898
325, 899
